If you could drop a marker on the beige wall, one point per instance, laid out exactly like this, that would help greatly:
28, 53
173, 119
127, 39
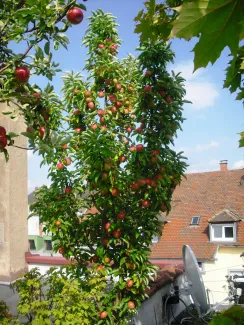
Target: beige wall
13, 203
214, 278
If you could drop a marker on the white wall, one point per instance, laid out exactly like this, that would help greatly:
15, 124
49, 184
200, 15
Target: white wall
33, 226
214, 277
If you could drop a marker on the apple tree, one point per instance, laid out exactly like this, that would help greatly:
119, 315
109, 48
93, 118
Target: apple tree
113, 160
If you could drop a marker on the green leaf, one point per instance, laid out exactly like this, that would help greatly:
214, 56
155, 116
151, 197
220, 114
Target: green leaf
217, 22
47, 48
241, 141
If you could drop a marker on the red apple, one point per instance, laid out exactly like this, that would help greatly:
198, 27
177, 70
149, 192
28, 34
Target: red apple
112, 98
129, 283
65, 146
67, 161
37, 96
122, 159
163, 207
101, 94
107, 225
102, 120
145, 203
94, 126
2, 131
28, 129
104, 176
91, 105
76, 91
131, 266
108, 39
115, 191
154, 159
147, 88
57, 223
3, 142
118, 104
131, 305
162, 93
42, 131
103, 128
134, 187
103, 314
129, 129
75, 15
95, 258
87, 93
107, 82
141, 182
132, 148
76, 112
156, 152
148, 73
139, 130
100, 268
105, 241
68, 190
100, 46
116, 233
60, 165
139, 148
168, 99
61, 250
113, 109
22, 74
118, 87
107, 260
101, 112
121, 215
78, 130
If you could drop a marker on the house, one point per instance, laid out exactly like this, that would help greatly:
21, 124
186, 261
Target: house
207, 214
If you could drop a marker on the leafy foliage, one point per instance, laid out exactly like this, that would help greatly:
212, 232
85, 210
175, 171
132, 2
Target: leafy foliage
59, 297
217, 24
231, 316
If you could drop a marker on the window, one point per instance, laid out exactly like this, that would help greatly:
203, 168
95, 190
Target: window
195, 221
48, 245
223, 232
32, 244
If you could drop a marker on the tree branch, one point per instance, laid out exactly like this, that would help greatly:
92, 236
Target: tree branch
21, 147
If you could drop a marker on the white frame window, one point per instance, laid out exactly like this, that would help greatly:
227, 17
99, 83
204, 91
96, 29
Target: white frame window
195, 221
222, 227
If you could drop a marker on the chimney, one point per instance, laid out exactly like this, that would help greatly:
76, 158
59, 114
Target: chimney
223, 165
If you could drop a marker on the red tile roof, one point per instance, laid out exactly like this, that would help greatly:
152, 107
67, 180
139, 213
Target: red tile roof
204, 195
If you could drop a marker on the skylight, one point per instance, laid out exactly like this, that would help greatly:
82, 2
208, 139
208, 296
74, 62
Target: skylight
195, 221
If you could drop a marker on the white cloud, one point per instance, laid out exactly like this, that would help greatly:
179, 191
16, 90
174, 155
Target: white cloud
204, 147
200, 147
200, 91
204, 167
238, 164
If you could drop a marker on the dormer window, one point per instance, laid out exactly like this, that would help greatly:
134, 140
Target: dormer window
223, 232
223, 225
195, 221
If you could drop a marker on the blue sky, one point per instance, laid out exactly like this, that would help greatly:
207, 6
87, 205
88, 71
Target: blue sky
213, 120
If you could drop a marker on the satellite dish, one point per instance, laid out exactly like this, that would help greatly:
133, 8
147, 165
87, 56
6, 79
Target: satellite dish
194, 277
